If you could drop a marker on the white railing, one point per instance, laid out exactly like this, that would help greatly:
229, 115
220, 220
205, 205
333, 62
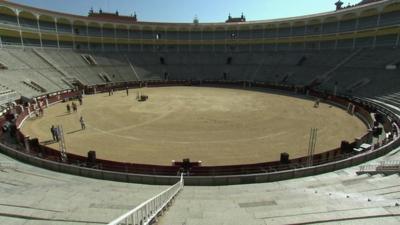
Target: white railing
383, 166
148, 210
8, 165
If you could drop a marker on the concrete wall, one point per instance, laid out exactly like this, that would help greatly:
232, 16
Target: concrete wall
198, 180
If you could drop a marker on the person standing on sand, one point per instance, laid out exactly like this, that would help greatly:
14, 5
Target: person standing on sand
83, 126
74, 107
68, 108
53, 132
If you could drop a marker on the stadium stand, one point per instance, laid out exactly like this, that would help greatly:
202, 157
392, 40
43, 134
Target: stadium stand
351, 52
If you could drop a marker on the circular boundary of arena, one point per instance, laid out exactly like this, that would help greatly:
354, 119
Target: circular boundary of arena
254, 173
134, 144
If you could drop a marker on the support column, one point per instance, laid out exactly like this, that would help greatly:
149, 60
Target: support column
141, 39
20, 29
276, 38
115, 39
87, 36
26, 142
321, 29
73, 35
337, 30
102, 38
355, 30
40, 33
290, 36
58, 38
22, 108
129, 39
29, 109
263, 38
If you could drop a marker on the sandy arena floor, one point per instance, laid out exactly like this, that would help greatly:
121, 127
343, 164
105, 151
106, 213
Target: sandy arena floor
215, 125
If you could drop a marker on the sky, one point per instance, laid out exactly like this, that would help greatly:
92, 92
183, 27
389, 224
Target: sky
185, 10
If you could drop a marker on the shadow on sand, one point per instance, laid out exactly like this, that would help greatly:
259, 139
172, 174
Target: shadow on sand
48, 142
75, 131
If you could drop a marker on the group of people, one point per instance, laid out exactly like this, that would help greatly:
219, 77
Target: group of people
74, 107
111, 91
39, 112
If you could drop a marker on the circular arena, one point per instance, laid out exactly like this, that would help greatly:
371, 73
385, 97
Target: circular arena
108, 119
218, 126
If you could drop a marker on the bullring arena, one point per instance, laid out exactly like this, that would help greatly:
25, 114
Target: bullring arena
218, 126
266, 122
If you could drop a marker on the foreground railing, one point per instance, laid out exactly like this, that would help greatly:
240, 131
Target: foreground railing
148, 210
383, 167
8, 165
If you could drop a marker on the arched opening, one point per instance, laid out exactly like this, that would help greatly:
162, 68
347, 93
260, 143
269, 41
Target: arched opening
65, 41
134, 35
171, 33
31, 38
8, 15
207, 33
284, 30
108, 37
220, 33
195, 33
348, 22
147, 33
64, 25
368, 18
94, 29
46, 23
390, 15
183, 34
299, 28
27, 19
122, 31
244, 32
108, 30
49, 40
313, 27
79, 28
330, 25
257, 32
10, 37
270, 31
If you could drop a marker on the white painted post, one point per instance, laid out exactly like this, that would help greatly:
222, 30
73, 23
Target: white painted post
29, 109
27, 147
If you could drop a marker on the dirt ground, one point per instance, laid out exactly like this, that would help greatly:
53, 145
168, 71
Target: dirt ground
218, 126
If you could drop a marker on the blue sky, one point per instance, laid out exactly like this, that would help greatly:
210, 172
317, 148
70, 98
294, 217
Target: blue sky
185, 10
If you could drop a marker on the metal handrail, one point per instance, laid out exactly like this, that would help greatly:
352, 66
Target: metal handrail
382, 166
148, 210
8, 165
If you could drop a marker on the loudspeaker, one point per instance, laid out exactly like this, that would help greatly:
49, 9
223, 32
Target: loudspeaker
91, 157
285, 158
